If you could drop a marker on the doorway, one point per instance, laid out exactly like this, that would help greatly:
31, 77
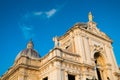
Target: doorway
71, 77
99, 63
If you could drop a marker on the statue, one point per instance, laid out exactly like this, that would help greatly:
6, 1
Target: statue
90, 17
56, 42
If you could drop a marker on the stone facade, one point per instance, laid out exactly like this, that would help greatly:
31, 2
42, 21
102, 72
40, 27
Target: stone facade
82, 53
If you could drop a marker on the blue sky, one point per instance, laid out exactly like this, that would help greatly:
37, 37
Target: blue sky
41, 20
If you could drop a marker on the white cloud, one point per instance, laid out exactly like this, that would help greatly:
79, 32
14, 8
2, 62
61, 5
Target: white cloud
25, 26
37, 13
50, 13
46, 14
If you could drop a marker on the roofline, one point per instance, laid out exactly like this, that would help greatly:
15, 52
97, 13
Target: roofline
77, 26
13, 69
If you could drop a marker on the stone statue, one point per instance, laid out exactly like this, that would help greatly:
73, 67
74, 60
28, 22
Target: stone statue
90, 17
56, 42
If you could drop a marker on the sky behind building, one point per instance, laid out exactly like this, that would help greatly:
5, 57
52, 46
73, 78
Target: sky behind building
41, 20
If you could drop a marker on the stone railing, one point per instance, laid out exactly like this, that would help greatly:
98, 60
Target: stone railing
60, 54
48, 57
71, 57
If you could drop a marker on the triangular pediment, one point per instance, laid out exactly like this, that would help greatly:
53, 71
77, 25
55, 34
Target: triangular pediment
91, 27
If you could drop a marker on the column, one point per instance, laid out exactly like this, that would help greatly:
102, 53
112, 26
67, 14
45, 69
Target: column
66, 76
77, 77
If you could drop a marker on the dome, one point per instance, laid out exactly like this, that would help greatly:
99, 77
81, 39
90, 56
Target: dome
29, 51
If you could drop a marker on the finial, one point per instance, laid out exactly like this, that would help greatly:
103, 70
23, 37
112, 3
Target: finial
30, 44
90, 17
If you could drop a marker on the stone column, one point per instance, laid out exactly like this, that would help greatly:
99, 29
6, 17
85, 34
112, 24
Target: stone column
77, 77
59, 74
66, 76
83, 77
62, 74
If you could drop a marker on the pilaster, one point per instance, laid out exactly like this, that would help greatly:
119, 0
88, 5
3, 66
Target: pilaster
86, 50
66, 75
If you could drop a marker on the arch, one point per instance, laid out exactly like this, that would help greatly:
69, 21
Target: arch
101, 54
99, 57
100, 64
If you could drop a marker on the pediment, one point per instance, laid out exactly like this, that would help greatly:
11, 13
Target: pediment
91, 27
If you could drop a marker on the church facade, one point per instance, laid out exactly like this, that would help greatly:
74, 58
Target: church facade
82, 53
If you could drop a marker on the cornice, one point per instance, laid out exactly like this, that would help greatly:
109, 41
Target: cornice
14, 68
67, 32
60, 58
55, 58
81, 27
62, 50
70, 53
26, 57
106, 39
